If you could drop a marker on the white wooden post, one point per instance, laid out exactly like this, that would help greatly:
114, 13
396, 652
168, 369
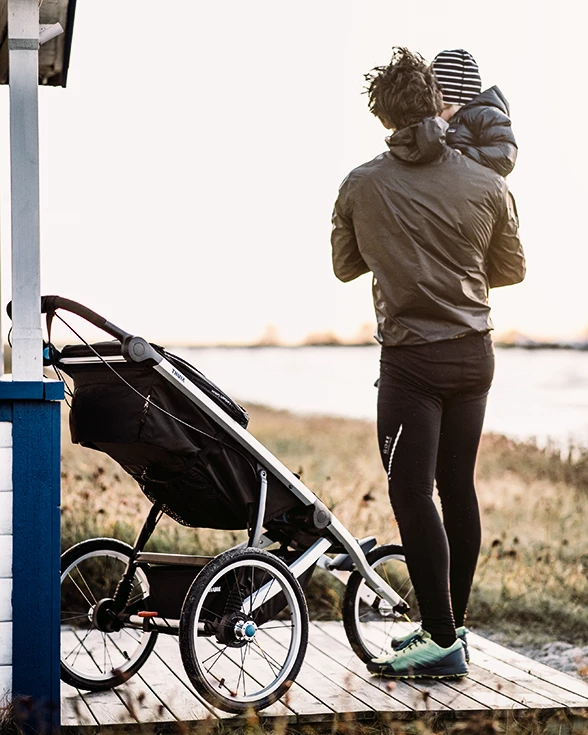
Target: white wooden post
29, 423
23, 50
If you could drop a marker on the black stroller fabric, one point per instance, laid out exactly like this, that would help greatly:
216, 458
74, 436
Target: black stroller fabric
179, 456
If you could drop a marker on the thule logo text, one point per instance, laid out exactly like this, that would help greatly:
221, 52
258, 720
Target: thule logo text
178, 375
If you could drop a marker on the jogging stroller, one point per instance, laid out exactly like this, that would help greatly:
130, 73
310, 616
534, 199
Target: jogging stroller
241, 616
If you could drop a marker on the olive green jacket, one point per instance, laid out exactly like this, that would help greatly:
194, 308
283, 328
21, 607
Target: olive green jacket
437, 231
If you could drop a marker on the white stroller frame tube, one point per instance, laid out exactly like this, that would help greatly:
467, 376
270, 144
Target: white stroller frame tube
293, 483
298, 567
256, 535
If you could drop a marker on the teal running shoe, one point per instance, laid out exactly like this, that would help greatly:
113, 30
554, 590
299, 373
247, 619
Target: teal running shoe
462, 635
399, 643
422, 658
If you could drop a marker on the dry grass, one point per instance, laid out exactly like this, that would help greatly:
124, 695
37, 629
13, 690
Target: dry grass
533, 573
532, 579
516, 723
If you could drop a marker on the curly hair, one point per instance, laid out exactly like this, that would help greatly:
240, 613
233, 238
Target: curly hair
405, 92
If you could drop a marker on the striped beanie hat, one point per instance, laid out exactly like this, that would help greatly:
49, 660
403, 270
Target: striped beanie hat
458, 75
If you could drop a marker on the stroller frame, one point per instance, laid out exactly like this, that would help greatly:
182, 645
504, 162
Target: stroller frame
333, 536
321, 514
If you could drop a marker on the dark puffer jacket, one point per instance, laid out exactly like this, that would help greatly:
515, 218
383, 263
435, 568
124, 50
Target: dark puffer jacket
482, 131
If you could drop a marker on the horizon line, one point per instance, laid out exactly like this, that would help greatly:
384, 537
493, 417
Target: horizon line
505, 340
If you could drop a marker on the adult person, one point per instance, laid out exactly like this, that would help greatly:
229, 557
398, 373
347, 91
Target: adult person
436, 230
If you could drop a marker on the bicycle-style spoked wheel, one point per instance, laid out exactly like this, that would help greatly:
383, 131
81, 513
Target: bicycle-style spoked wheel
243, 630
97, 651
370, 622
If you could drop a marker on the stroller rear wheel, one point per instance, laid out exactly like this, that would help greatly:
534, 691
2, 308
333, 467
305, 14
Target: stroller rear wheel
243, 630
97, 650
370, 623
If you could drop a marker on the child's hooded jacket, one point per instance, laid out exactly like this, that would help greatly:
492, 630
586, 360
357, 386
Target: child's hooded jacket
482, 130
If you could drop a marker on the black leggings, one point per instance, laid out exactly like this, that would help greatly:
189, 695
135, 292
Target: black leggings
431, 405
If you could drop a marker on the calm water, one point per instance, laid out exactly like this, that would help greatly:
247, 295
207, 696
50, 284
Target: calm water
540, 394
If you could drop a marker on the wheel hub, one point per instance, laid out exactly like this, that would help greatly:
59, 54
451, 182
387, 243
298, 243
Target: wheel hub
245, 630
105, 618
236, 630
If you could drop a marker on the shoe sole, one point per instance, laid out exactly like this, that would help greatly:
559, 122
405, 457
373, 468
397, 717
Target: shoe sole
395, 675
435, 671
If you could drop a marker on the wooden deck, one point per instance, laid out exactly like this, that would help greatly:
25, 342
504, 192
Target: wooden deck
333, 683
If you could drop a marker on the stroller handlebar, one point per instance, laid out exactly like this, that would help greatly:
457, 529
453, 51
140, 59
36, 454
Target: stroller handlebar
50, 304
135, 349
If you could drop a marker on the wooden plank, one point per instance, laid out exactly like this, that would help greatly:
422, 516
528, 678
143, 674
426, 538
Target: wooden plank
459, 695
169, 651
490, 691
79, 652
299, 698
332, 683
321, 686
530, 692
322, 657
558, 697
108, 708
96, 653
419, 696
541, 671
402, 693
74, 711
182, 702
143, 704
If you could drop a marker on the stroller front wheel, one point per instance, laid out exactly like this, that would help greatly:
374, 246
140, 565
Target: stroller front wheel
243, 630
370, 622
97, 650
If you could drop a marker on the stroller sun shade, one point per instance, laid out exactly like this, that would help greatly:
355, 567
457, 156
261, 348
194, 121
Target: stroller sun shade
179, 456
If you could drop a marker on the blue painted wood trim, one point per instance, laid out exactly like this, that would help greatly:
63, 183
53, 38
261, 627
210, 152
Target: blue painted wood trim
50, 390
53, 390
20, 389
36, 551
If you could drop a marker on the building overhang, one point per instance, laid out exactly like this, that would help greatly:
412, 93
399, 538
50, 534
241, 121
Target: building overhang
54, 54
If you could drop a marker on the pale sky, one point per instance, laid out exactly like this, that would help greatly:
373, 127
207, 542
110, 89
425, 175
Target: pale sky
189, 169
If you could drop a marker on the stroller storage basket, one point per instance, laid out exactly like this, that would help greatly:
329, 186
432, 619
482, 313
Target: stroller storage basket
179, 456
170, 583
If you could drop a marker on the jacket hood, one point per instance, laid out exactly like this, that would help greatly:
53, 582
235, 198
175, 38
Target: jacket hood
419, 143
492, 97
